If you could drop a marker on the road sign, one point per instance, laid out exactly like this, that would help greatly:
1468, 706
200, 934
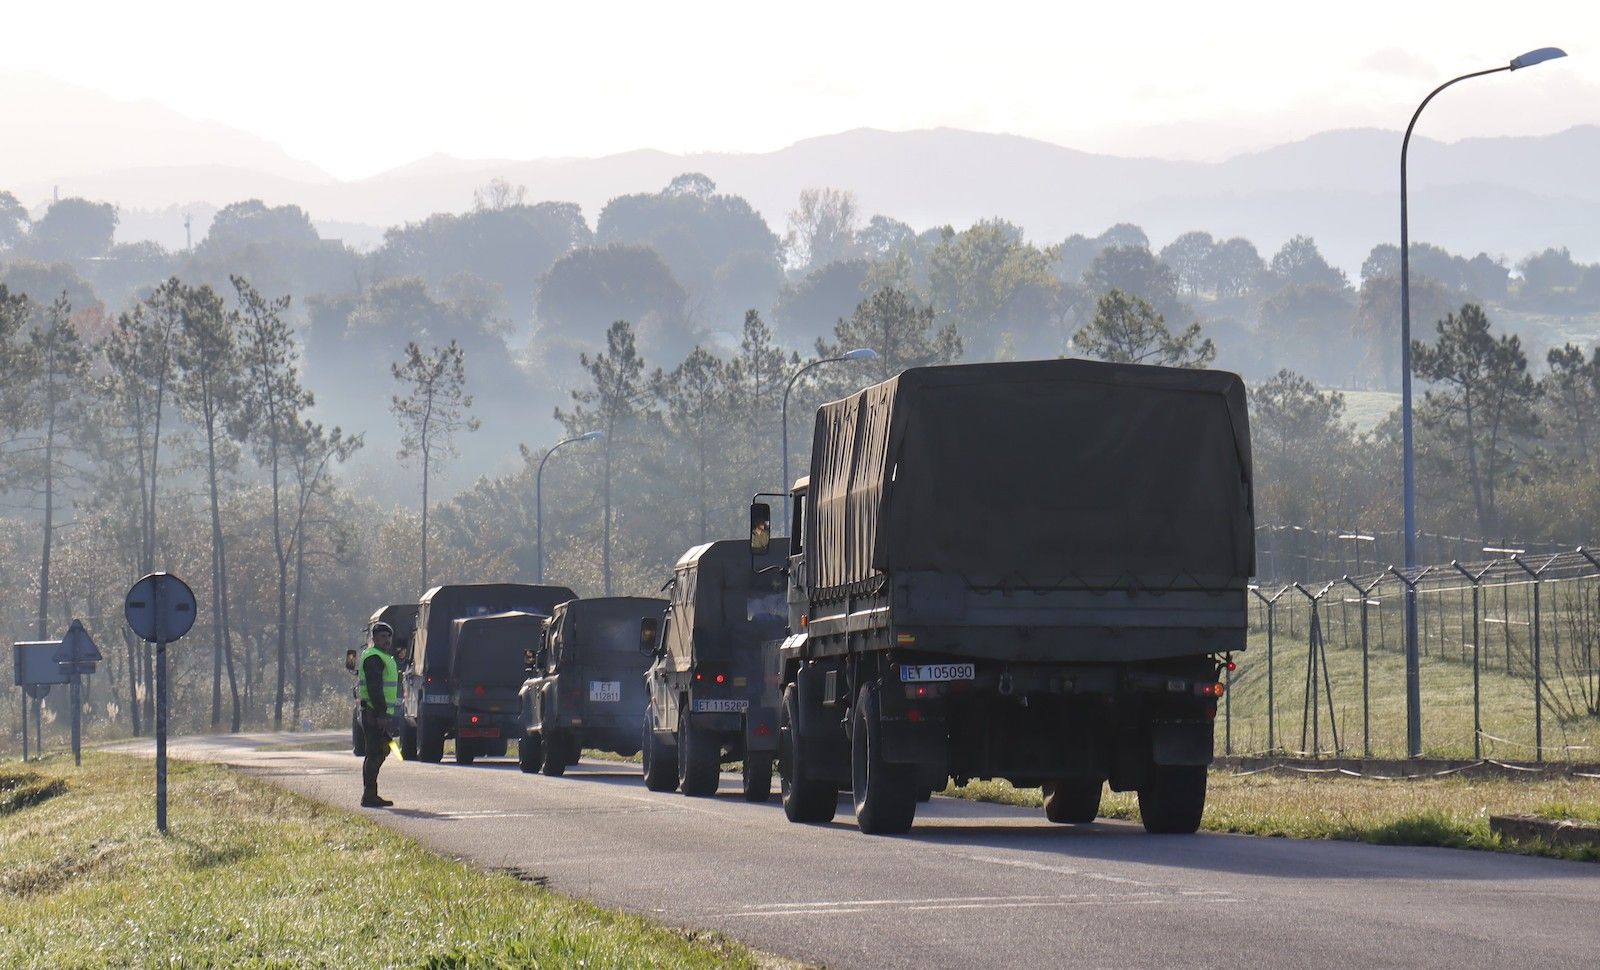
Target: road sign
160, 608
78, 653
36, 663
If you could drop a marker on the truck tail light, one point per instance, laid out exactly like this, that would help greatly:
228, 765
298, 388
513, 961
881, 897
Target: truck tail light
474, 719
905, 639
1210, 690
722, 678
478, 690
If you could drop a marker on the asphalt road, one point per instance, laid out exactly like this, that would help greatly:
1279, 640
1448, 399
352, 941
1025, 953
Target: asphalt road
972, 885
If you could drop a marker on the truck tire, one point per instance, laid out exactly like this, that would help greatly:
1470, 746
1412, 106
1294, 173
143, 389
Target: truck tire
466, 751
804, 800
757, 777
660, 760
555, 755
430, 740
1173, 799
496, 749
699, 760
885, 794
358, 737
1073, 801
408, 741
530, 753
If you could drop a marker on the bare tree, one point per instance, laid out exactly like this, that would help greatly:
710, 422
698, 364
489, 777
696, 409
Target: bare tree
431, 413
822, 229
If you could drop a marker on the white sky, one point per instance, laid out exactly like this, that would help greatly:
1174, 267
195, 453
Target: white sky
358, 87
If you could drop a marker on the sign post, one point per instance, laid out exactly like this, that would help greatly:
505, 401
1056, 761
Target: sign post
77, 656
160, 608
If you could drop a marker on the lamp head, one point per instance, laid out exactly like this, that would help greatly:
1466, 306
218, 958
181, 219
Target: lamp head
861, 353
1536, 57
591, 435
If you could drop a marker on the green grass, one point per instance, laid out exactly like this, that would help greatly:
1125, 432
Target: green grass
1451, 811
1446, 683
254, 876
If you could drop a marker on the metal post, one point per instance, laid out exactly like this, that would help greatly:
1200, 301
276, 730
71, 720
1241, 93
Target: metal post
538, 499
38, 727
1538, 674
24, 725
77, 715
1227, 710
161, 704
1271, 603
1413, 662
1365, 592
1477, 654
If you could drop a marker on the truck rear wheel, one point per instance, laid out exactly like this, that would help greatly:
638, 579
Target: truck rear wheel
699, 760
804, 799
1073, 800
430, 740
555, 755
466, 751
885, 793
757, 777
1173, 799
660, 760
408, 741
530, 753
358, 737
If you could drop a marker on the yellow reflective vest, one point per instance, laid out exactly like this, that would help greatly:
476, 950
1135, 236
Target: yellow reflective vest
391, 680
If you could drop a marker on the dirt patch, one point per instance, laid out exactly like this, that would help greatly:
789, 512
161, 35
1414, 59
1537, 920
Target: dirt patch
20, 790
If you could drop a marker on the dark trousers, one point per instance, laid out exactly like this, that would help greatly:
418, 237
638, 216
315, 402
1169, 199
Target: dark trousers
377, 749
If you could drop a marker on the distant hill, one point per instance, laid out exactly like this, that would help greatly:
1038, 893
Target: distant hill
1506, 196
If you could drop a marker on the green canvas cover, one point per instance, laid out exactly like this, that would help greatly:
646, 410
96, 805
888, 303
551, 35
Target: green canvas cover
1040, 474
491, 650
721, 604
443, 605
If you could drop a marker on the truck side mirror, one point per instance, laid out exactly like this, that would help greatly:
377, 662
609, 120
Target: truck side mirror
350, 659
530, 658
760, 528
649, 632
402, 656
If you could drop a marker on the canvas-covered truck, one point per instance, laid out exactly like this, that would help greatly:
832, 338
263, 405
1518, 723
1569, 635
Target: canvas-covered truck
587, 686
402, 619
428, 686
1033, 571
488, 665
711, 698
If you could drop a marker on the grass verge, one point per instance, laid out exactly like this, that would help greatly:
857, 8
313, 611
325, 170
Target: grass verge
254, 876
1451, 812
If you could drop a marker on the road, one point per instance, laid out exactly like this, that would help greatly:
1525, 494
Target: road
973, 885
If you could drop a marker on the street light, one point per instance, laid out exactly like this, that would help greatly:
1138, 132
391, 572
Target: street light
538, 494
860, 353
1413, 670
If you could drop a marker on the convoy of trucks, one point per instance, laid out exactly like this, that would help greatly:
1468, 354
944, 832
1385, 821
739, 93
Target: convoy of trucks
1034, 571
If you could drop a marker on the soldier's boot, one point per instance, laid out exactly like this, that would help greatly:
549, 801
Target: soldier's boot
371, 799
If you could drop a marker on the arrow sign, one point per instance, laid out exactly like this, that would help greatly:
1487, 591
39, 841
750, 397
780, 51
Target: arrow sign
160, 608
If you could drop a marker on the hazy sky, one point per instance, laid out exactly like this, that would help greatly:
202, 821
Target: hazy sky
358, 87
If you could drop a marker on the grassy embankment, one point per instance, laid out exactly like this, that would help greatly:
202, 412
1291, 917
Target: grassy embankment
1450, 811
254, 876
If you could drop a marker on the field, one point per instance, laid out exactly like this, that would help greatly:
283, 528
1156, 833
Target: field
253, 876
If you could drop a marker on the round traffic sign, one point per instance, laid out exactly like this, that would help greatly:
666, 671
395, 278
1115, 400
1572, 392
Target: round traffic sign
160, 608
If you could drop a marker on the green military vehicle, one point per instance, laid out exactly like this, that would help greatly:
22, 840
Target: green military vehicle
587, 686
402, 619
1033, 571
488, 665
711, 698
429, 689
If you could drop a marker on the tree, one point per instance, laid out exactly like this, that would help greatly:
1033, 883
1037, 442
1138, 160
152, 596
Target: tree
613, 403
498, 194
73, 229
1307, 325
253, 222
1378, 324
1134, 270
976, 277
1303, 448
756, 378
312, 452
268, 417
1483, 412
1189, 256
1548, 274
884, 237
14, 221
588, 288
1298, 262
822, 229
209, 392
431, 413
1127, 329
1571, 391
696, 402
809, 308
1234, 267
901, 330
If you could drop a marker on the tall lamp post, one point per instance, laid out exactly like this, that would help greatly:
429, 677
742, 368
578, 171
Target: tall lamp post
1413, 671
538, 494
860, 353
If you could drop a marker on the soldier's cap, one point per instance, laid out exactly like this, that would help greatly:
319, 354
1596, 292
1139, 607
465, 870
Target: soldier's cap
381, 627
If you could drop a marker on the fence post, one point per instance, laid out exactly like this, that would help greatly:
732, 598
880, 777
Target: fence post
1538, 678
1272, 610
1366, 677
1477, 692
1317, 655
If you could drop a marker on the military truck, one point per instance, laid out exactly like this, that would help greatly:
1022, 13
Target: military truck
587, 686
711, 698
488, 664
402, 619
1033, 571
428, 686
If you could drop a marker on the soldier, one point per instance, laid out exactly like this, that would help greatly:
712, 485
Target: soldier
379, 691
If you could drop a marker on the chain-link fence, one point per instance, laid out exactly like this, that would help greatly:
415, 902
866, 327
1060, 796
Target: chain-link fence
1290, 552
1509, 663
